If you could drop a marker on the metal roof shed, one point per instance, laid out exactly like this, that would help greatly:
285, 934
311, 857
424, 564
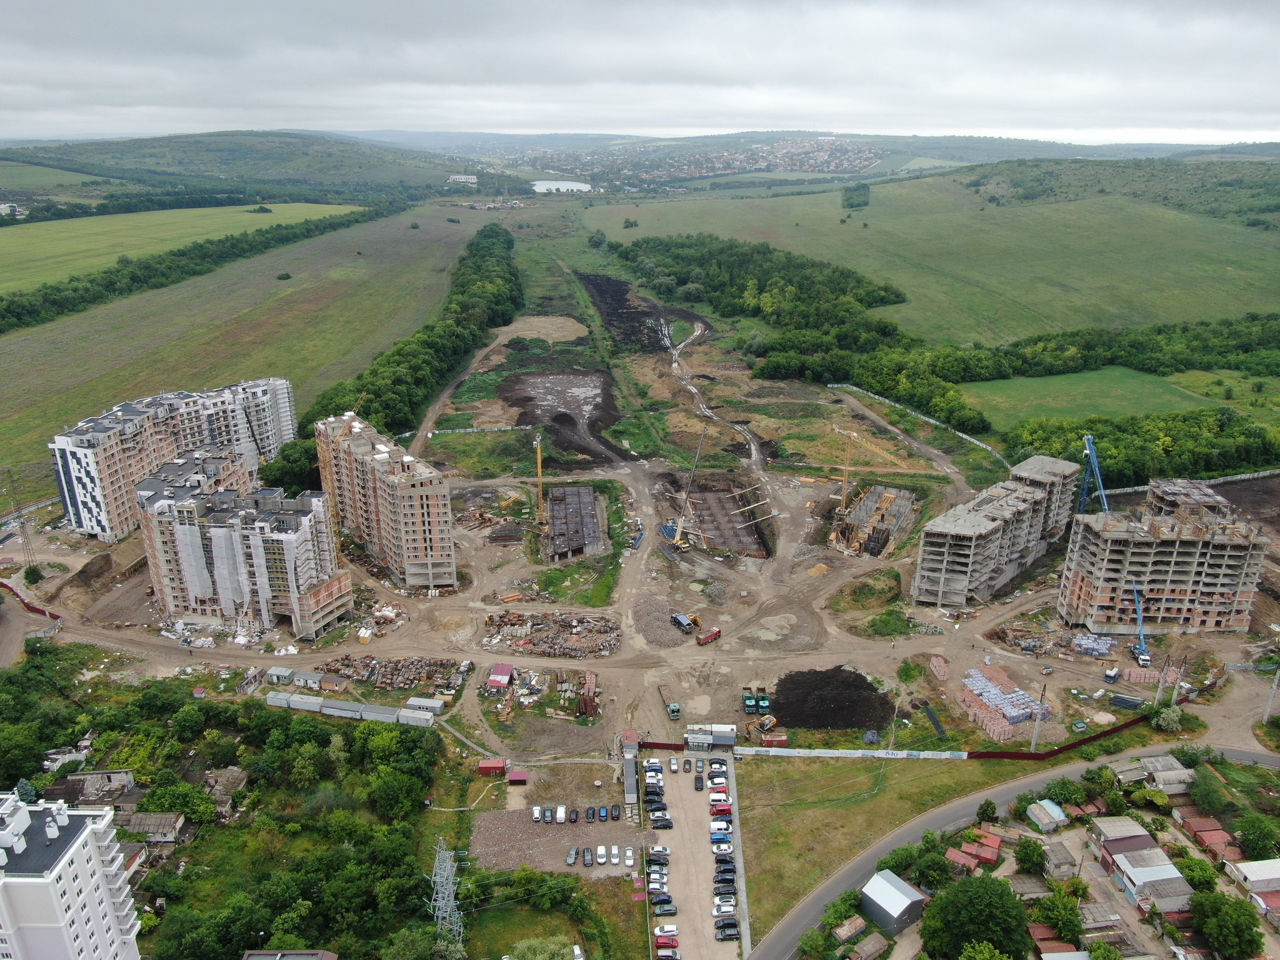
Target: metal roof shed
371, 711
277, 698
341, 708
891, 903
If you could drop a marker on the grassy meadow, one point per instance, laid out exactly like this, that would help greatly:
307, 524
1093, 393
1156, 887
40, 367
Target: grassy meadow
351, 294
979, 273
1111, 391
46, 252
30, 178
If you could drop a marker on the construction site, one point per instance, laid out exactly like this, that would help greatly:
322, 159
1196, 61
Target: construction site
872, 522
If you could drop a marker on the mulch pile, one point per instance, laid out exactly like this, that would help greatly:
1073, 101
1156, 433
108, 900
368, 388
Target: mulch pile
835, 699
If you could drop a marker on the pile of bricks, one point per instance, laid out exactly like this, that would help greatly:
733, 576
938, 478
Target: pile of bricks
1147, 675
939, 668
988, 718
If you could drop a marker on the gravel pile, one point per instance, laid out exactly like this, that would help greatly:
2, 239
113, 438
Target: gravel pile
653, 620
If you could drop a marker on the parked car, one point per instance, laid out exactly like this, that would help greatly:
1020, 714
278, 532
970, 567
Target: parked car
688, 764
726, 900
658, 870
675, 765
724, 923
660, 815
667, 942
718, 764
721, 808
660, 825
657, 886
722, 848
537, 814
719, 796
719, 910
665, 910
727, 934
720, 878
629, 857
615, 813
721, 826
602, 855
698, 782
724, 858
587, 860
656, 807
658, 899
591, 814
666, 930
660, 850
562, 813
615, 855
699, 765
572, 858
573, 815
659, 860
721, 889
721, 838
603, 813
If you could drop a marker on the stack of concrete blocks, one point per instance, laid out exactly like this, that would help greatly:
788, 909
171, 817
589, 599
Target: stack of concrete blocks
939, 668
1147, 675
1092, 645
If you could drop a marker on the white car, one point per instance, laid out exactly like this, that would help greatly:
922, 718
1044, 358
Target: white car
658, 870
614, 857
725, 900
720, 797
722, 848
602, 856
675, 765
659, 815
629, 857
720, 910
719, 826
718, 783
657, 886
666, 930
660, 851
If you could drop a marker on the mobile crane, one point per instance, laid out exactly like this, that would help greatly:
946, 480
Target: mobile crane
1139, 650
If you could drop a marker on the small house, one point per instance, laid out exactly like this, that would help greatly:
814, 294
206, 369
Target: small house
156, 827
1059, 864
1110, 836
869, 947
517, 777
307, 679
891, 903
962, 860
492, 767
853, 927
429, 704
280, 675
1255, 876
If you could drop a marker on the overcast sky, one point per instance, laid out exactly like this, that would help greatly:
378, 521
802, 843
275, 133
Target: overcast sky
1084, 71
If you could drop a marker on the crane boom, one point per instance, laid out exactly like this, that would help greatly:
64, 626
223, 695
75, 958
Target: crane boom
1139, 649
1093, 473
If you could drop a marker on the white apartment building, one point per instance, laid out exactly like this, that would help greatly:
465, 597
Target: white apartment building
393, 504
63, 892
98, 461
244, 561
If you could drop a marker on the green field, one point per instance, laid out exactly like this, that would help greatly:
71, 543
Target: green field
27, 177
38, 253
977, 273
352, 292
1111, 391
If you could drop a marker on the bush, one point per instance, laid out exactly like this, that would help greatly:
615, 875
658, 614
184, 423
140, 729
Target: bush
32, 575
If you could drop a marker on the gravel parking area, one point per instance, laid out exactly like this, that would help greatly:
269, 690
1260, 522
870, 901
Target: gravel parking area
506, 839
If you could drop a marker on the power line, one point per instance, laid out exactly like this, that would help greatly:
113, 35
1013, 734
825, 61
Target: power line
444, 894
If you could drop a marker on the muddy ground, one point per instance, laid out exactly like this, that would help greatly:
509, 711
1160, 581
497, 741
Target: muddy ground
632, 320
574, 407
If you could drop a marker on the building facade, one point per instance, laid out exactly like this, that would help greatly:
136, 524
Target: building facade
63, 889
972, 550
1196, 564
394, 505
244, 560
98, 461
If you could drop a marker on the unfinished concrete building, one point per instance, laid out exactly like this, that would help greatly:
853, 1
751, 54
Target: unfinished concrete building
392, 503
573, 524
872, 522
971, 551
1195, 561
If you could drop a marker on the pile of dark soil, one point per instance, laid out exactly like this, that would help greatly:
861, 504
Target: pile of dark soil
835, 699
633, 321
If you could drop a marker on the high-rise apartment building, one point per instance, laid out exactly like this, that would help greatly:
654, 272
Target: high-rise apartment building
972, 550
98, 461
224, 556
393, 504
63, 892
1194, 561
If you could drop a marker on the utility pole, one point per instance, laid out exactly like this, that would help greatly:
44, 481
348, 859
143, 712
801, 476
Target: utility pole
1271, 699
1035, 734
444, 894
1160, 686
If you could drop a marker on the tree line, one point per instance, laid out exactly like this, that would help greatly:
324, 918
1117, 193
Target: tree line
486, 291
44, 210
29, 308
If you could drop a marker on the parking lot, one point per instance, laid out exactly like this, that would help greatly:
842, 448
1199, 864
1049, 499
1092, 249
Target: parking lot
506, 839
692, 863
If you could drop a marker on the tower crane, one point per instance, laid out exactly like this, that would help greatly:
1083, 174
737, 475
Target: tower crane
1093, 473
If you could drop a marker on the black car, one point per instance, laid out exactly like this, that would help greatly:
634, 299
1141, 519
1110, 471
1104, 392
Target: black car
660, 825
652, 807
658, 859
720, 878
659, 898
573, 815
727, 934
723, 818
724, 858
616, 812
688, 764
698, 782
724, 890
591, 814
725, 922
587, 859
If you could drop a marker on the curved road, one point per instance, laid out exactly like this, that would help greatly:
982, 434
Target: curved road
780, 944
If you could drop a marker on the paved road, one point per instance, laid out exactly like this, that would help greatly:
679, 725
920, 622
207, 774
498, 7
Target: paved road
780, 944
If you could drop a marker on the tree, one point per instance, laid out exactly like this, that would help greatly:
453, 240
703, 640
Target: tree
596, 240
973, 910
31, 575
25, 791
1257, 835
841, 909
413, 942
813, 944
1229, 924
1029, 854
1199, 873
1061, 911
180, 797
987, 811
1065, 791
933, 871
188, 723
1101, 950
1206, 793
981, 950
1169, 719
395, 795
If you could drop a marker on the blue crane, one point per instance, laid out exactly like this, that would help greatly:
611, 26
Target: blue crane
1139, 649
1092, 474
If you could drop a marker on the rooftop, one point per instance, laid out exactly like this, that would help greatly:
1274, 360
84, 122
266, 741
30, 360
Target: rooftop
1116, 828
32, 839
890, 891
988, 512
1046, 469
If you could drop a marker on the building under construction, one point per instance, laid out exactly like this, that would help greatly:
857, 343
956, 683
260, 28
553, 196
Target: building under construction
1194, 560
574, 528
873, 521
971, 551
720, 516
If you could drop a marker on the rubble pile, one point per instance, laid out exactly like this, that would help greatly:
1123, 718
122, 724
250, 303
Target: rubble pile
552, 634
834, 699
400, 673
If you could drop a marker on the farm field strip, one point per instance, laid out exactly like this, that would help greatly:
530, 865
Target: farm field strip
31, 254
326, 322
1111, 391
29, 176
982, 273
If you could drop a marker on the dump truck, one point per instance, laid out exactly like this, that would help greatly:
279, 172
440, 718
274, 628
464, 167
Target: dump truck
683, 623
1111, 675
707, 638
748, 700
763, 704
673, 708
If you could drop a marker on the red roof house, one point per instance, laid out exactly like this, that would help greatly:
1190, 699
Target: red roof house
969, 863
492, 768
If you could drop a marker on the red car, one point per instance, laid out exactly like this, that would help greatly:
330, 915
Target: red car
717, 808
665, 942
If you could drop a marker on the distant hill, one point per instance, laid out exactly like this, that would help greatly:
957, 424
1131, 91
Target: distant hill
466, 144
248, 157
1246, 190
